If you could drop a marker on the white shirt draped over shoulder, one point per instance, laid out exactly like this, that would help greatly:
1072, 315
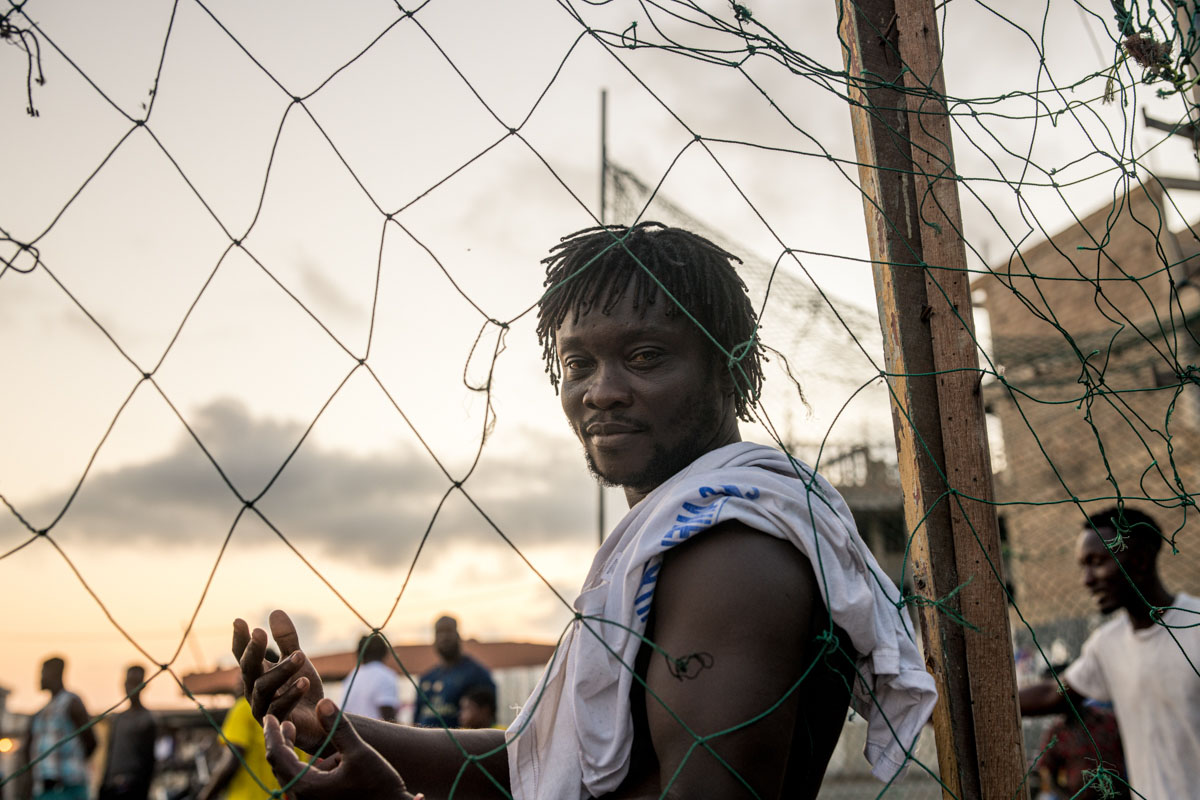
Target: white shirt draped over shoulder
574, 736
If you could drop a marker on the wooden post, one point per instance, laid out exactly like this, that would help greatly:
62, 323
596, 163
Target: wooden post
910, 195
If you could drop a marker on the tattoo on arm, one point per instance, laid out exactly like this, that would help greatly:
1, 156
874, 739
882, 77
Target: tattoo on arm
688, 666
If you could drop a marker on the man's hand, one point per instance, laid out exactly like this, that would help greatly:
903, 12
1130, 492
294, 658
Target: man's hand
289, 690
355, 769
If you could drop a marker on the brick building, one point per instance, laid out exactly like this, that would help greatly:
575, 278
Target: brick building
1097, 350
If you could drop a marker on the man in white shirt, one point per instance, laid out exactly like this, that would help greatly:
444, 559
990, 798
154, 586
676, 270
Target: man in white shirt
370, 691
1145, 661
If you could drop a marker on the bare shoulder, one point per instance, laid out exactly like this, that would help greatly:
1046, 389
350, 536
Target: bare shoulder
735, 616
751, 568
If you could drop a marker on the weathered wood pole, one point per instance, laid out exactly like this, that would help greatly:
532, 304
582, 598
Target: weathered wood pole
910, 195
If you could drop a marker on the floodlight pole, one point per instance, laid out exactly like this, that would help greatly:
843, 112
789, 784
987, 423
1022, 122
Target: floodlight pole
910, 196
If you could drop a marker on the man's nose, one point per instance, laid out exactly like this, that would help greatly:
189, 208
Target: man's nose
608, 388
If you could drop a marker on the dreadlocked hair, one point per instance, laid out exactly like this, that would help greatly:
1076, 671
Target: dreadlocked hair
594, 268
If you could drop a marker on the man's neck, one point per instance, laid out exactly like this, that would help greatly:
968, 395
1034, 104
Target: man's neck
1156, 596
729, 435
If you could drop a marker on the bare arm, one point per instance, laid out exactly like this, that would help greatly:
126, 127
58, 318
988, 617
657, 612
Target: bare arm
429, 759
1044, 698
734, 610
79, 718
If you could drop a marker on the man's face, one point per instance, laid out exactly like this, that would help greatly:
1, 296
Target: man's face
472, 715
1102, 573
52, 676
643, 394
446, 640
133, 680
45, 684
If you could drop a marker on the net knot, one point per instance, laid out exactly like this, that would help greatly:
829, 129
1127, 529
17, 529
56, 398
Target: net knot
1101, 779
739, 351
22, 247
829, 641
942, 604
632, 31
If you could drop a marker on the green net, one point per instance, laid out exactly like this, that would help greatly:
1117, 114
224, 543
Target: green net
268, 272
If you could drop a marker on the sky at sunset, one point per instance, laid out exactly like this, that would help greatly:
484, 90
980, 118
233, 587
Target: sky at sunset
313, 287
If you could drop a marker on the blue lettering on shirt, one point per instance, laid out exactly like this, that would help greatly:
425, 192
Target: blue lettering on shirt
696, 519
645, 591
732, 491
693, 519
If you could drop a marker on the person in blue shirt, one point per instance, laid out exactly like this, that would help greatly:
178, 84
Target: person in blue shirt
442, 687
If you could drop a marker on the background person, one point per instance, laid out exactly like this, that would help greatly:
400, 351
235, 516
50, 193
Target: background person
129, 763
440, 689
62, 771
370, 691
1146, 668
477, 708
1069, 749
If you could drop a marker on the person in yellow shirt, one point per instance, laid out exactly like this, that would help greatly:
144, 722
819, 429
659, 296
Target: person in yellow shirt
237, 776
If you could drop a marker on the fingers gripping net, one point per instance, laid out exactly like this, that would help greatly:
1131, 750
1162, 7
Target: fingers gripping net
268, 246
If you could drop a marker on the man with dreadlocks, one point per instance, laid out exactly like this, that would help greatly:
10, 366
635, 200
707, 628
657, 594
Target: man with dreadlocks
724, 626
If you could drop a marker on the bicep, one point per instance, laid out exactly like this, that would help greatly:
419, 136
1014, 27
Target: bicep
733, 612
80, 718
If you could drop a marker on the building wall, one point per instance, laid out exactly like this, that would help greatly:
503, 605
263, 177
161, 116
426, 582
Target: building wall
1095, 410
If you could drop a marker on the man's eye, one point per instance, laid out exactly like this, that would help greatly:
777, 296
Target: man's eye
645, 356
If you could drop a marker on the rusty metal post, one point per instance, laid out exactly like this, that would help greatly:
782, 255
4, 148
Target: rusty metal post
910, 196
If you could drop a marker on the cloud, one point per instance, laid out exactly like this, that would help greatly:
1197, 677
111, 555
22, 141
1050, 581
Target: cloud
366, 509
315, 282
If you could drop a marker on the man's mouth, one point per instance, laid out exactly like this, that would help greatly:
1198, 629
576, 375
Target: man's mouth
610, 433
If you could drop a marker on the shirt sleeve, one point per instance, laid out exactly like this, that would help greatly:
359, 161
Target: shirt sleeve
382, 690
386, 693
1086, 673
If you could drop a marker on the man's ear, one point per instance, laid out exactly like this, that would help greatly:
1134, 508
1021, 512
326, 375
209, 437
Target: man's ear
723, 375
1139, 563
